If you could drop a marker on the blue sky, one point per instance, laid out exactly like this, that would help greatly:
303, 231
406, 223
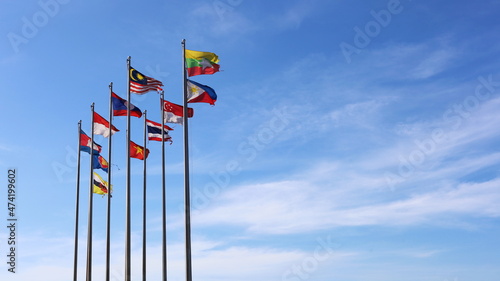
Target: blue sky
350, 140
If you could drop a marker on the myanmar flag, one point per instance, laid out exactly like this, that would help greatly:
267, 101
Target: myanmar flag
201, 63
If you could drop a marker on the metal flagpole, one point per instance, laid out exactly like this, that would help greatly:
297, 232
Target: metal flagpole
186, 170
91, 189
108, 219
77, 205
144, 207
164, 193
127, 191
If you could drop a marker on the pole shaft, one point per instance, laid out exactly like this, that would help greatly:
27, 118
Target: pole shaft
164, 193
127, 189
144, 264
77, 204
91, 187
108, 211
186, 170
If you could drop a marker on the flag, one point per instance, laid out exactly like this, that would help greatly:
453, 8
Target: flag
120, 107
137, 151
100, 163
154, 131
101, 126
141, 84
201, 63
197, 92
175, 112
100, 185
85, 144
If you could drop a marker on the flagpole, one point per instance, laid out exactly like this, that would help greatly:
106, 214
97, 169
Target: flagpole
108, 212
127, 190
164, 193
144, 206
187, 199
91, 183
77, 204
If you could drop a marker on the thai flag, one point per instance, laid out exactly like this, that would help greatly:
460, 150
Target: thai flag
120, 107
154, 131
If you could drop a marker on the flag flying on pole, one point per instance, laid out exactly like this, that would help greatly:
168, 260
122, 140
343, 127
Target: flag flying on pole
137, 151
120, 107
100, 185
100, 163
175, 112
101, 126
201, 63
141, 84
197, 92
85, 144
154, 131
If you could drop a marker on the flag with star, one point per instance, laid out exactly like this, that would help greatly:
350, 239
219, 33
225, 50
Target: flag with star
197, 92
141, 84
198, 63
175, 112
137, 151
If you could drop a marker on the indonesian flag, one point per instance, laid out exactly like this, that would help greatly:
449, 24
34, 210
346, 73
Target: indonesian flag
175, 112
101, 126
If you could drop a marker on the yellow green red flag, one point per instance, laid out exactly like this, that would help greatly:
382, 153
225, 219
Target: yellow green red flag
201, 63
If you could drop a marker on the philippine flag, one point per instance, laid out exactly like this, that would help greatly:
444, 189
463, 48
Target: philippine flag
101, 126
120, 107
154, 131
197, 92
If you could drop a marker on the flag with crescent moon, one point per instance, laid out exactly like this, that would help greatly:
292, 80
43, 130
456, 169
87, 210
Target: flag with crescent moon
141, 84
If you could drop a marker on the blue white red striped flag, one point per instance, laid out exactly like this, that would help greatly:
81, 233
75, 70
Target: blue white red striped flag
154, 131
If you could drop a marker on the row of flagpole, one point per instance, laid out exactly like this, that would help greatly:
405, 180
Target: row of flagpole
194, 63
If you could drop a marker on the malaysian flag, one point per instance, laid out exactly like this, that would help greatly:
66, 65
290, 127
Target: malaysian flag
141, 84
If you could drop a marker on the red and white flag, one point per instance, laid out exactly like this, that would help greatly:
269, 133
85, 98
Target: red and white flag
175, 112
101, 126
